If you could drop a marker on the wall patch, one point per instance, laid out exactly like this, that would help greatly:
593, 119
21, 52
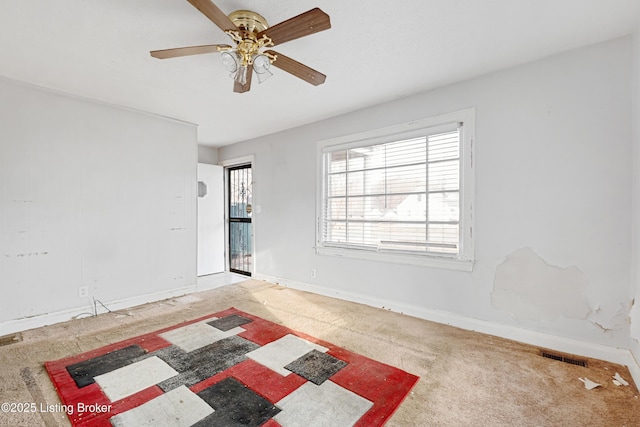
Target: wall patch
529, 288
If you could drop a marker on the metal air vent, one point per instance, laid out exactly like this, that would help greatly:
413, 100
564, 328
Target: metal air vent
565, 359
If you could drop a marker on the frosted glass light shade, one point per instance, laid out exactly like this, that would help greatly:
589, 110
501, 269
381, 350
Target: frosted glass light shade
229, 62
241, 75
261, 64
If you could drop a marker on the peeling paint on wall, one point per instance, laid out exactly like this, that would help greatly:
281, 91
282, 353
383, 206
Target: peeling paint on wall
614, 317
634, 313
529, 288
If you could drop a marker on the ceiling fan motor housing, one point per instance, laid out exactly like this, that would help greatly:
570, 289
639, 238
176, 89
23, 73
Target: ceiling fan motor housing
249, 21
247, 43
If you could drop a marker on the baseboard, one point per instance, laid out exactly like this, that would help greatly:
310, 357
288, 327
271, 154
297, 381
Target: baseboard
634, 368
203, 283
539, 339
19, 325
216, 280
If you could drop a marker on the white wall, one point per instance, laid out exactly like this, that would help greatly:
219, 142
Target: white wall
553, 165
635, 312
208, 155
90, 195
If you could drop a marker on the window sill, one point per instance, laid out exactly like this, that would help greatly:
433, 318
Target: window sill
419, 260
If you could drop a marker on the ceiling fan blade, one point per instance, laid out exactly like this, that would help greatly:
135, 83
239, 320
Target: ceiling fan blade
186, 51
299, 70
212, 12
310, 22
241, 88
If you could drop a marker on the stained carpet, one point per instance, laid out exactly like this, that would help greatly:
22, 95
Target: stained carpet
227, 369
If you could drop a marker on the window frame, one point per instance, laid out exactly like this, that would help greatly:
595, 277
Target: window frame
462, 261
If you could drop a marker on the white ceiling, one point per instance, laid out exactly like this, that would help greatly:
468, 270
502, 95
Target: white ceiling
376, 51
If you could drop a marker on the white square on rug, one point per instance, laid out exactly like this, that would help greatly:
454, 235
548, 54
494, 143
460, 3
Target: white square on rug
324, 405
279, 353
178, 408
198, 335
133, 378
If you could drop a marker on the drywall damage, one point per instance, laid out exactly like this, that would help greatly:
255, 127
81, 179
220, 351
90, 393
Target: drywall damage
529, 288
634, 319
611, 316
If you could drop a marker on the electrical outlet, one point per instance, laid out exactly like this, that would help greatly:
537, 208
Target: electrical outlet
313, 273
83, 291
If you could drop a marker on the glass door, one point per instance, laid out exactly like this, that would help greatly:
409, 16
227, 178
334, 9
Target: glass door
240, 208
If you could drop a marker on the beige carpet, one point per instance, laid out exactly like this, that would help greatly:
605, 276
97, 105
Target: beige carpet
467, 378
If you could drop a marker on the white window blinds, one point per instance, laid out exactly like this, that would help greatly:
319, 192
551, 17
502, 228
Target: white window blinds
397, 196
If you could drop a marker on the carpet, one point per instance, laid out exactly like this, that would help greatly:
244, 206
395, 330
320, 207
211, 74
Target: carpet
227, 369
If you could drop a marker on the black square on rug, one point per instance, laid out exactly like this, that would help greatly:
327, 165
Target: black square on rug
229, 322
83, 373
316, 366
235, 405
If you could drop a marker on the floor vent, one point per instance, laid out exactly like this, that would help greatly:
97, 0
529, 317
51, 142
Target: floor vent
10, 339
564, 359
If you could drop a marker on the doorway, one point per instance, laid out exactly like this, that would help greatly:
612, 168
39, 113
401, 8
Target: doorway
240, 199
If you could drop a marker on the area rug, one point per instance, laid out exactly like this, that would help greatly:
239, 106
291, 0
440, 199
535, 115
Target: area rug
227, 369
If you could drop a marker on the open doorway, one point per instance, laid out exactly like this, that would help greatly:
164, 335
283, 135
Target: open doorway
240, 208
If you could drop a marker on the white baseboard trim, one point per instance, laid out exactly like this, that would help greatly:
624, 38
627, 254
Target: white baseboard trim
19, 325
539, 339
203, 283
634, 368
216, 280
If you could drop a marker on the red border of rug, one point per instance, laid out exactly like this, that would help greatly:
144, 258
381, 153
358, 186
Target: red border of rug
382, 384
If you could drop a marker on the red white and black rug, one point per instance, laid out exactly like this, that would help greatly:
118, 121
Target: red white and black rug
227, 369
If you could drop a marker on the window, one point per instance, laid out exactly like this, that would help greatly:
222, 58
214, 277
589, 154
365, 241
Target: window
400, 194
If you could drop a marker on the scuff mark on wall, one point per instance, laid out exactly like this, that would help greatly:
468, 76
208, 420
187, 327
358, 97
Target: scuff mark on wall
529, 288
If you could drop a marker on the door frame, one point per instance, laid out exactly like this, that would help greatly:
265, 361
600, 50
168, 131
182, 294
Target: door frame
230, 164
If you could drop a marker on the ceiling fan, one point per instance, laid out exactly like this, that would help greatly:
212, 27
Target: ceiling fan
252, 36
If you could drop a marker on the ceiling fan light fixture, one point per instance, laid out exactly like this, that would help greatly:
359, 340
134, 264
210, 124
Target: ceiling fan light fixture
264, 76
241, 75
261, 64
229, 62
